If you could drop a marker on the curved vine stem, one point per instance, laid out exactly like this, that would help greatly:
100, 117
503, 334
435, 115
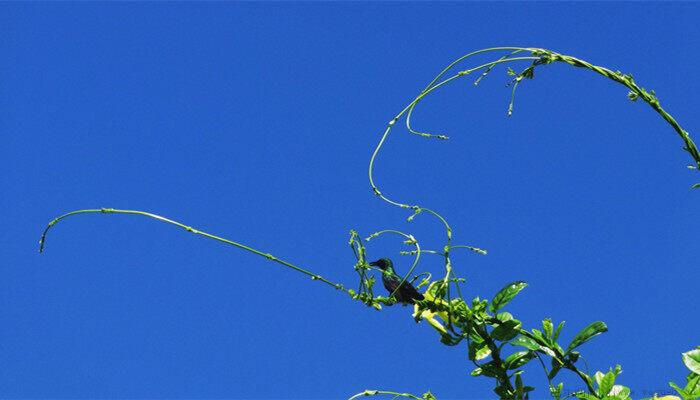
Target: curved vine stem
540, 57
432, 87
269, 256
636, 92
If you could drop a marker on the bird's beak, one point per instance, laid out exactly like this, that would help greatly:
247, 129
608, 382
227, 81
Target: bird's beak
374, 263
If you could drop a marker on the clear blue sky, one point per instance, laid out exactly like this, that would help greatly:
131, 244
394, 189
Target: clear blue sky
256, 122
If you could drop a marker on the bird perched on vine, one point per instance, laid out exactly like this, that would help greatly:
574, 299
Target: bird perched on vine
406, 293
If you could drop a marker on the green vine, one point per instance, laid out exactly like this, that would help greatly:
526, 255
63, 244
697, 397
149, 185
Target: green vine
486, 329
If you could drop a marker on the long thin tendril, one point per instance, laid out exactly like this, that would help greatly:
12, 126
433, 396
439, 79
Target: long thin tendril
316, 277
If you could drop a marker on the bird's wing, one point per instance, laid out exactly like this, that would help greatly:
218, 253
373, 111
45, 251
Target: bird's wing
407, 293
391, 283
411, 292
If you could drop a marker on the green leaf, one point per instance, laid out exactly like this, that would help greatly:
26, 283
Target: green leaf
556, 391
680, 391
518, 359
489, 369
587, 333
556, 367
691, 359
520, 389
548, 351
620, 392
449, 340
558, 348
504, 316
503, 393
506, 330
429, 396
482, 353
478, 304
695, 186
539, 336
460, 309
478, 351
606, 384
693, 385
557, 331
548, 328
597, 377
505, 295
585, 396
437, 289
474, 334
526, 342
518, 381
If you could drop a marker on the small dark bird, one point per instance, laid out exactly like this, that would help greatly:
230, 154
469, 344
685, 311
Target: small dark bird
406, 293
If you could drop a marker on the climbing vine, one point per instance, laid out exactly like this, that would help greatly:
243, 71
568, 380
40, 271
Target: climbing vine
497, 344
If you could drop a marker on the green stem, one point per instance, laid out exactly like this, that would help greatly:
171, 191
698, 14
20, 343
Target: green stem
565, 363
546, 373
503, 378
432, 87
472, 248
269, 256
384, 392
585, 378
627, 80
464, 57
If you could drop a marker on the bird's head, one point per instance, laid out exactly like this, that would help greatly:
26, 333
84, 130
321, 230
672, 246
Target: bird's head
384, 264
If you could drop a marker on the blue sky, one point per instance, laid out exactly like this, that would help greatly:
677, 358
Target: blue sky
256, 121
